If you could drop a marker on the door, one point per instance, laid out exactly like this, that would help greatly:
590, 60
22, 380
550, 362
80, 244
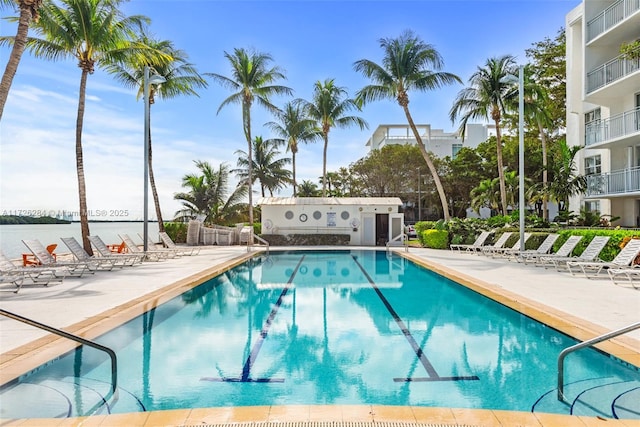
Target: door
368, 230
396, 229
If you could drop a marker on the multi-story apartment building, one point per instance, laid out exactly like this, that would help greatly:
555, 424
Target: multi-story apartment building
603, 106
440, 143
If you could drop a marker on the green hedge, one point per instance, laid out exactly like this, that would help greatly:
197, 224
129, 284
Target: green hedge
177, 231
617, 239
435, 239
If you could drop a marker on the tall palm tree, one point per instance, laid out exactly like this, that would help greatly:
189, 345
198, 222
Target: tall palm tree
181, 78
328, 107
208, 195
253, 80
95, 33
408, 64
566, 182
28, 13
269, 169
294, 127
487, 98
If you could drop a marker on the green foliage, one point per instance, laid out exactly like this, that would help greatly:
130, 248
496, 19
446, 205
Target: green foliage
465, 230
177, 231
499, 221
424, 225
435, 239
17, 219
617, 239
631, 50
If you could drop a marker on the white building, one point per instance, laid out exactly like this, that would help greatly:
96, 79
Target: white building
368, 221
603, 106
439, 142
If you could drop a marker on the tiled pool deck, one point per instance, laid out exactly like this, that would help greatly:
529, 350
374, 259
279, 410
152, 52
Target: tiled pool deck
91, 305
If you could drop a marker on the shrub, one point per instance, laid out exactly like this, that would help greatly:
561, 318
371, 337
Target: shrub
435, 239
177, 231
617, 240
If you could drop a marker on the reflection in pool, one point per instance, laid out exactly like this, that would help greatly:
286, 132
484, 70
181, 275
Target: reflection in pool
331, 327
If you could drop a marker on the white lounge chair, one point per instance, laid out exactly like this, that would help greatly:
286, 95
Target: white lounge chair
591, 252
75, 268
169, 243
631, 275
499, 244
593, 268
11, 273
103, 250
95, 262
475, 246
172, 252
563, 252
150, 255
544, 248
506, 252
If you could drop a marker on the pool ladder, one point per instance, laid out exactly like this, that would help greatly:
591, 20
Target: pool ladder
258, 238
589, 343
111, 353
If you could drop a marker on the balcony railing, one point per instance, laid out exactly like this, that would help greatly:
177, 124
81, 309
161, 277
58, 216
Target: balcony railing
611, 183
610, 17
614, 127
613, 70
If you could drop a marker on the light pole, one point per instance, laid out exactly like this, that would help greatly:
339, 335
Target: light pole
419, 196
521, 151
155, 79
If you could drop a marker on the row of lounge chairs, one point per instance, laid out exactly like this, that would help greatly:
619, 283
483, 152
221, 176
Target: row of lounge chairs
50, 270
587, 264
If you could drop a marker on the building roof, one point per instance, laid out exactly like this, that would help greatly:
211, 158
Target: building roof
343, 201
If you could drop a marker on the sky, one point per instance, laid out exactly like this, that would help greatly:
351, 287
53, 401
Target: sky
310, 40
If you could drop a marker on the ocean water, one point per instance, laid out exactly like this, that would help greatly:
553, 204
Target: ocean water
11, 236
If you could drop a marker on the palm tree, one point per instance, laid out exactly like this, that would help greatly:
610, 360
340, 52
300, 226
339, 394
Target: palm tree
208, 195
95, 33
180, 77
486, 194
566, 181
252, 81
308, 189
294, 127
28, 13
486, 97
408, 63
328, 107
267, 168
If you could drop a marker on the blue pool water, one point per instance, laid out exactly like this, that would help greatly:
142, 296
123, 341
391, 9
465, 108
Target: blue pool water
339, 327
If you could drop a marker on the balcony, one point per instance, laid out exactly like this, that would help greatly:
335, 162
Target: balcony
615, 127
611, 16
617, 183
613, 70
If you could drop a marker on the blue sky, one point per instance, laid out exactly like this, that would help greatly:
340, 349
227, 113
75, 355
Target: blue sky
310, 40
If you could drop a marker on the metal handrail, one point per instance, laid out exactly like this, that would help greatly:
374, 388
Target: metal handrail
583, 344
260, 239
405, 241
64, 334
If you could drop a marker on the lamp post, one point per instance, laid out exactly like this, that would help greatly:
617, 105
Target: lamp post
147, 81
521, 151
419, 196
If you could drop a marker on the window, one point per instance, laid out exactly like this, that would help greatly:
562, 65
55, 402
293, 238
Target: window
454, 150
592, 206
592, 115
592, 165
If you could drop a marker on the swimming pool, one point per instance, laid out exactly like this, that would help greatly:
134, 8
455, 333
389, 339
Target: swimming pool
327, 327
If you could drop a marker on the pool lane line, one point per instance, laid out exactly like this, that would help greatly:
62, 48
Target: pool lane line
431, 371
246, 369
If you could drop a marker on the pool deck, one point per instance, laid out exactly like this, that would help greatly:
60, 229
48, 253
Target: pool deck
93, 304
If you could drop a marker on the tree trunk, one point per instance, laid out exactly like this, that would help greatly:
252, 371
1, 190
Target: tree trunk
82, 190
16, 53
503, 187
246, 110
154, 191
324, 164
293, 166
432, 168
543, 139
